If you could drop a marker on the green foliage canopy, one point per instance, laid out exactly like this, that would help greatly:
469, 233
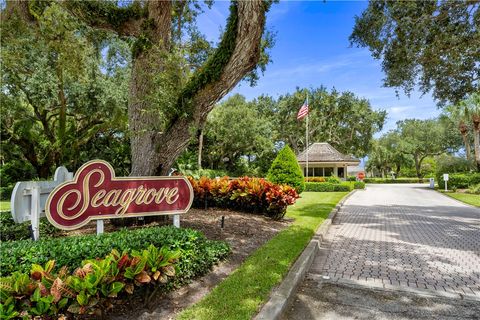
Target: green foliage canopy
58, 93
430, 44
342, 119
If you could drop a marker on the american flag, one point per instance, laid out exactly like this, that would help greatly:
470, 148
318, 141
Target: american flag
303, 111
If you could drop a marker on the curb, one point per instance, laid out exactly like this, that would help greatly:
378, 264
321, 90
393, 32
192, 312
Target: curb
282, 295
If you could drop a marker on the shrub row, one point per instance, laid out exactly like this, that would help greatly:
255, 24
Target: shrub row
9, 230
459, 180
327, 187
198, 253
398, 180
331, 179
315, 179
90, 289
359, 185
254, 195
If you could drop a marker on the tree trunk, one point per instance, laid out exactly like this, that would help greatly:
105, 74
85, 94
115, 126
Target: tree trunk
466, 143
200, 148
153, 152
464, 132
418, 163
142, 115
476, 144
476, 138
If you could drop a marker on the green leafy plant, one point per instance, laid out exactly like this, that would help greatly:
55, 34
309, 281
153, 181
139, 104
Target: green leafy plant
474, 189
198, 253
9, 230
90, 287
359, 185
285, 170
333, 179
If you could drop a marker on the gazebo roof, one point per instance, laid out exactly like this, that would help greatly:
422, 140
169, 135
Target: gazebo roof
324, 152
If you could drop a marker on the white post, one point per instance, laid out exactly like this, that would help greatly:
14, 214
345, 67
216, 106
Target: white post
176, 220
35, 212
306, 134
100, 226
446, 189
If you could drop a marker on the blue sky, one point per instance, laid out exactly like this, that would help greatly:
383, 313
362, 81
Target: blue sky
312, 49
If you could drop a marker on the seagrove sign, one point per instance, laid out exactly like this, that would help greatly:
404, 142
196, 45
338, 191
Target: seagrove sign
95, 193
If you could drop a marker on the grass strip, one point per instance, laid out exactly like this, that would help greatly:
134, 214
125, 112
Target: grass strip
241, 294
4, 206
473, 199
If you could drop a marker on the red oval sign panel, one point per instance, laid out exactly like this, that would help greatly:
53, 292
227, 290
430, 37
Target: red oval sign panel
361, 175
95, 193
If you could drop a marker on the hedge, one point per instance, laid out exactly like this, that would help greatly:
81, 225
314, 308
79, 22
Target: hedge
9, 230
198, 253
6, 192
459, 180
327, 187
359, 185
398, 180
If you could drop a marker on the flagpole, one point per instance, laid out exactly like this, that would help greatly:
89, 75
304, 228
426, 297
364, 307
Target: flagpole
306, 134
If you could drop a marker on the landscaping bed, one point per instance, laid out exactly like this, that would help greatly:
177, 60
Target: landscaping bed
242, 231
241, 295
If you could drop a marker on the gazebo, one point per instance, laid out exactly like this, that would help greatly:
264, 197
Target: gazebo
324, 161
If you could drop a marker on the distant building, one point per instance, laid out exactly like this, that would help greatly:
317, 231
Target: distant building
324, 161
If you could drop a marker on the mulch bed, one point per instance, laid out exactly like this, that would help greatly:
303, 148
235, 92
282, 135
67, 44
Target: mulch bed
243, 231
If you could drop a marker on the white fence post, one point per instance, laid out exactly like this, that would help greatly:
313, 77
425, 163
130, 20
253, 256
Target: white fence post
35, 212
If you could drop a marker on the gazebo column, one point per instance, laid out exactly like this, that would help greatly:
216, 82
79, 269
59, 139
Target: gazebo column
335, 170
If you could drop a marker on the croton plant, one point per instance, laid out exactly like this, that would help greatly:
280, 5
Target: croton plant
89, 289
254, 195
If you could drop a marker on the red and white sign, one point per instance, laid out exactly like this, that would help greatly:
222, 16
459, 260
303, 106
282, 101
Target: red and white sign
361, 175
95, 193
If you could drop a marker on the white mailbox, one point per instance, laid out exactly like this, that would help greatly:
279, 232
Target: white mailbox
29, 198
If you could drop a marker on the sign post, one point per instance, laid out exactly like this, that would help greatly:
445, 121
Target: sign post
445, 178
96, 194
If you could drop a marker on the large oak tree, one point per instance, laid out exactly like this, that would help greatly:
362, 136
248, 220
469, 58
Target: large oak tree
430, 44
169, 96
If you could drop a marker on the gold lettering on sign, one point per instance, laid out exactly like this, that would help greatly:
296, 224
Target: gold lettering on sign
121, 198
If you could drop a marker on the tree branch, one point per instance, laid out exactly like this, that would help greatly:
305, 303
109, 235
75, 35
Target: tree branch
204, 90
106, 15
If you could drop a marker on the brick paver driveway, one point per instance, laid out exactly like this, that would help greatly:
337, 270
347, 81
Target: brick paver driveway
405, 235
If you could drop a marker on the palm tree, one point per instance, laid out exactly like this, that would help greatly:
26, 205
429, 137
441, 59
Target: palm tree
460, 115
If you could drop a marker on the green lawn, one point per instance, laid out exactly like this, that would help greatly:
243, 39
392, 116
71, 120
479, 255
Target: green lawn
473, 199
241, 294
4, 205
